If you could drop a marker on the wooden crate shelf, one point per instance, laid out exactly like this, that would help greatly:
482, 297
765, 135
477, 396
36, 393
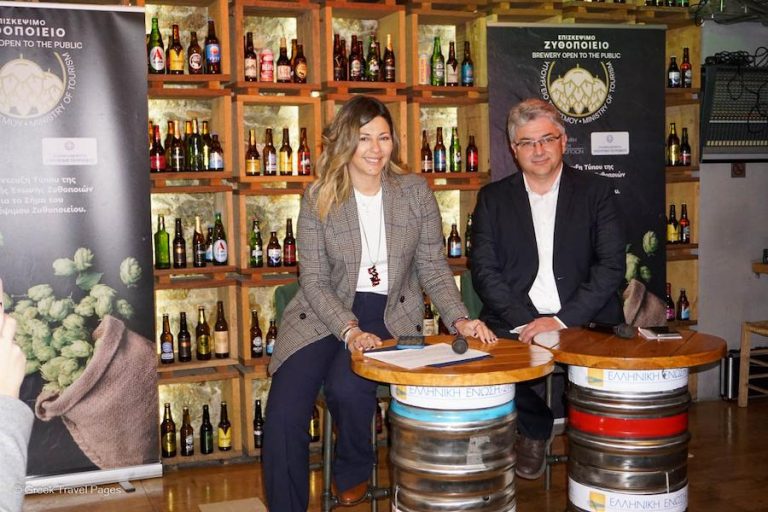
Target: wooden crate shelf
180, 372
268, 276
201, 86
682, 96
669, 16
266, 185
678, 174
441, 95
471, 6
679, 252
190, 182
456, 180
578, 11
348, 88
759, 268
205, 277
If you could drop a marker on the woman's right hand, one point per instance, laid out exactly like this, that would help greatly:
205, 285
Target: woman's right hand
361, 341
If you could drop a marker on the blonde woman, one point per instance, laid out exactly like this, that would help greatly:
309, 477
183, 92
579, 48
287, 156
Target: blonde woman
370, 239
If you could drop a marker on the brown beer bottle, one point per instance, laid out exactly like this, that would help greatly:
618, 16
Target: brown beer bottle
683, 306
257, 341
184, 339
220, 333
669, 303
429, 324
673, 228
224, 430
283, 64
187, 435
175, 53
685, 149
168, 143
258, 425
269, 156
274, 251
284, 162
157, 152
251, 60
686, 71
166, 342
685, 225
314, 425
300, 69
194, 55
289, 245
426, 153
303, 156
179, 247
220, 246
252, 157
473, 158
212, 51
454, 243
673, 146
271, 337
439, 160
198, 245
339, 67
168, 433
389, 61
202, 336
178, 159
452, 67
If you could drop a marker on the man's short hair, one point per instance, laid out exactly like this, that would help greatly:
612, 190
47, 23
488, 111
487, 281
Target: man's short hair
528, 110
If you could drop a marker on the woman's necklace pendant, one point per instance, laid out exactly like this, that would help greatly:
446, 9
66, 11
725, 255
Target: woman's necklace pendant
375, 280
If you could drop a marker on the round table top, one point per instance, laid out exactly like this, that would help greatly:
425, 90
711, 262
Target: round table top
582, 347
511, 361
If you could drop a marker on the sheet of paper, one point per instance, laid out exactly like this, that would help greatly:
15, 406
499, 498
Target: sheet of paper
439, 353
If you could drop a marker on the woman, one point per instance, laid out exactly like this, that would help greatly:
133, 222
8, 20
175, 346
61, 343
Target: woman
370, 238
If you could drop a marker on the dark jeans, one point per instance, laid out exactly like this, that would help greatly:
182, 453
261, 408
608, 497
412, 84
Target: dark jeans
350, 398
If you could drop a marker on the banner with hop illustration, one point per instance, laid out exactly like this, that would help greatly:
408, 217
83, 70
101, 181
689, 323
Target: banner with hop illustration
75, 255
608, 84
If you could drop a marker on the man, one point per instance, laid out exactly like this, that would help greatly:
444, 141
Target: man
547, 253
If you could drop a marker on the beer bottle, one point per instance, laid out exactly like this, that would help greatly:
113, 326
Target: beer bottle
673, 228
669, 303
168, 143
356, 66
686, 71
209, 246
184, 339
685, 225
379, 418
303, 156
284, 161
162, 245
683, 306
252, 157
269, 160
155, 50
426, 153
339, 69
271, 337
373, 72
175, 53
438, 64
389, 61
194, 146
266, 66
198, 245
178, 158
257, 342
473, 159
212, 51
258, 425
216, 159
343, 58
685, 149
202, 336
429, 325
256, 253
300, 69
452, 67
157, 153
187, 434
185, 142
220, 248
289, 245
194, 55
673, 73
294, 52
283, 64
206, 433
251, 59
673, 146
314, 425
438, 158
220, 333
274, 251
455, 153
468, 236
207, 143
168, 433
166, 342
454, 243
168, 54
224, 436
467, 68
179, 246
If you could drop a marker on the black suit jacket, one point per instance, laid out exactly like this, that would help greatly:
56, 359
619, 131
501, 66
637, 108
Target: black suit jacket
589, 251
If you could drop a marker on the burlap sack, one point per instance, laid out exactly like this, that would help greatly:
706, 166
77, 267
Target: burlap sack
111, 410
641, 307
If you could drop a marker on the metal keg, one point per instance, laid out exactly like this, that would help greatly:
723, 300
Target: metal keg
628, 440
452, 460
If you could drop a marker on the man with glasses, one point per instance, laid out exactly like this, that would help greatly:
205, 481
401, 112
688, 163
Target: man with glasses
548, 252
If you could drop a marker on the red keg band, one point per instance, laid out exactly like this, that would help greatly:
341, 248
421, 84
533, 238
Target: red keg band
628, 427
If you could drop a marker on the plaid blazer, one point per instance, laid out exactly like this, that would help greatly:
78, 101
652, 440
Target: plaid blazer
330, 253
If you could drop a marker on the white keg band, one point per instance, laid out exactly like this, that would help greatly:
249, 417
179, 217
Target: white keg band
639, 381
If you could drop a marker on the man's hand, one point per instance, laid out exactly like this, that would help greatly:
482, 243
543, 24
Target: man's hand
12, 360
542, 324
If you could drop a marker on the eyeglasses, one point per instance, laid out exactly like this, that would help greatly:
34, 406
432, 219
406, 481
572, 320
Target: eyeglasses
544, 142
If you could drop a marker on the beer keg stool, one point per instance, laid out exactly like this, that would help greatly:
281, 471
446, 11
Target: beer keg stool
628, 417
453, 427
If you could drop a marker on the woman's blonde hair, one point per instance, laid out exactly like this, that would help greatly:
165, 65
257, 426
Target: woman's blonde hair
340, 139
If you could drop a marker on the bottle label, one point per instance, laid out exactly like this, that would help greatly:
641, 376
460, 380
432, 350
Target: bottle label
438, 72
209, 253
203, 344
189, 444
354, 70
685, 313
169, 442
157, 59
429, 327
389, 73
195, 62
270, 347
285, 163
452, 74
305, 164
674, 79
251, 68
220, 252
206, 442
252, 167
257, 253
176, 60
283, 73
688, 78
672, 233
216, 162
289, 256
670, 313
685, 234
271, 164
225, 437
301, 71
274, 257
439, 161
157, 162
166, 351
454, 249
221, 342
472, 162
456, 161
257, 346
424, 70
467, 75
426, 164
212, 53
267, 72
685, 158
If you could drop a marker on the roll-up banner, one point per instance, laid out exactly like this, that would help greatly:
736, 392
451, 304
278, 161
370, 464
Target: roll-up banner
75, 254
608, 83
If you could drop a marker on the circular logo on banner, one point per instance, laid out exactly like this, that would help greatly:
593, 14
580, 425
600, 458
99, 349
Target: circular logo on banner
36, 91
581, 94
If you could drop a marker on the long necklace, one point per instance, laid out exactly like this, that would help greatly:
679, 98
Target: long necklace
372, 272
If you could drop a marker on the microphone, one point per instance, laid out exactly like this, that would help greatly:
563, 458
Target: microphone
459, 344
621, 330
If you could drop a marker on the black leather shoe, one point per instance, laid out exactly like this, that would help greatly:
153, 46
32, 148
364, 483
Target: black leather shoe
353, 495
531, 457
